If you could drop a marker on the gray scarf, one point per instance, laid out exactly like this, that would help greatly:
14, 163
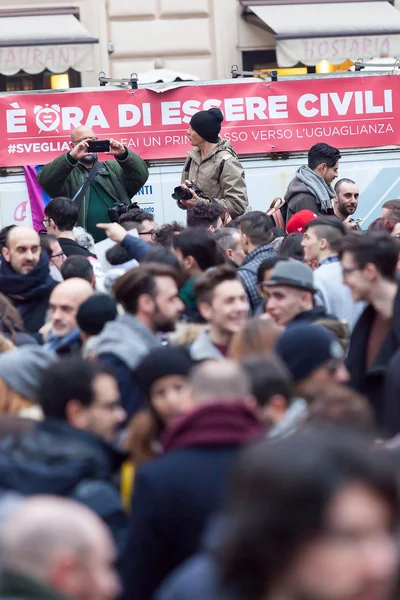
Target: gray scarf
321, 190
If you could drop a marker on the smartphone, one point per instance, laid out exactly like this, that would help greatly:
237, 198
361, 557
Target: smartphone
98, 146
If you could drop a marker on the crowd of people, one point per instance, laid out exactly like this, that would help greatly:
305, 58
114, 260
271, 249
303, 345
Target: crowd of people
204, 410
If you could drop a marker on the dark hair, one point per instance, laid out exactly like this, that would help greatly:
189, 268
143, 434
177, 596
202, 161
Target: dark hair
64, 212
392, 204
376, 247
135, 218
330, 229
339, 183
291, 247
205, 214
118, 255
279, 497
167, 233
10, 320
4, 235
233, 224
66, 380
341, 406
206, 284
77, 266
268, 264
201, 245
160, 255
323, 153
382, 224
45, 243
268, 376
142, 280
257, 226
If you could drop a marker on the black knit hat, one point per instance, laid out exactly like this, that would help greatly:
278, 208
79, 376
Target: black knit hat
207, 123
95, 312
163, 361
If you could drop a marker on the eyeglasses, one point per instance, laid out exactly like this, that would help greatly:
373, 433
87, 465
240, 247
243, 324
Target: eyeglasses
44, 222
152, 233
58, 255
350, 270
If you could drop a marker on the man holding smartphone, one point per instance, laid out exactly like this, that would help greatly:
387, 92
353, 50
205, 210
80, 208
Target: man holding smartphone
111, 182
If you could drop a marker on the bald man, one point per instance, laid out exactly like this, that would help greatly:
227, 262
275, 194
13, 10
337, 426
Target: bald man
55, 548
25, 276
116, 181
65, 301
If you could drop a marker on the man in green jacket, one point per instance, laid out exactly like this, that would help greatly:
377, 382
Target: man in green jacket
117, 180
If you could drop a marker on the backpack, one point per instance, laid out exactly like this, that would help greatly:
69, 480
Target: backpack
277, 211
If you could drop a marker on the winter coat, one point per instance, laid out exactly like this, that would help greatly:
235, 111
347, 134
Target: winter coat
203, 348
299, 197
247, 274
175, 494
220, 176
16, 586
121, 345
121, 179
30, 293
310, 316
57, 459
72, 248
371, 382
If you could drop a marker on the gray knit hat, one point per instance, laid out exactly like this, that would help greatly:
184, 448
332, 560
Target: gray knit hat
22, 368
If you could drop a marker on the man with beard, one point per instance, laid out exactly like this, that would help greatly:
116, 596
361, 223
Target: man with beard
25, 276
115, 181
149, 295
346, 201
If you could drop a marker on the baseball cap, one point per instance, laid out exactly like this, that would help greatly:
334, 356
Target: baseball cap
297, 223
293, 273
305, 348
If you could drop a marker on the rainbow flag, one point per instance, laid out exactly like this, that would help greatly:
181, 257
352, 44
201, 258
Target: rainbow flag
37, 197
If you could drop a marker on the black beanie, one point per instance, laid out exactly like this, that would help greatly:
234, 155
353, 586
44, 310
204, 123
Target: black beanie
207, 123
163, 361
95, 312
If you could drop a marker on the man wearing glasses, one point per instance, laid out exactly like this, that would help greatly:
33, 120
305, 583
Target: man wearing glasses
116, 181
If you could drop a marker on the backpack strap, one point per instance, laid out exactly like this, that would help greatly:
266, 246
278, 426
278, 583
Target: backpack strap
222, 165
187, 166
274, 211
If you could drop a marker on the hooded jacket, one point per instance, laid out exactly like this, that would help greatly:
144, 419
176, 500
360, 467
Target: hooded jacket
57, 459
29, 293
371, 382
300, 196
220, 176
121, 179
203, 348
176, 494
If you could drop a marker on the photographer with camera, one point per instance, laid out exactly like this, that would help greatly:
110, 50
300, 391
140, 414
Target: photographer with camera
102, 191
212, 170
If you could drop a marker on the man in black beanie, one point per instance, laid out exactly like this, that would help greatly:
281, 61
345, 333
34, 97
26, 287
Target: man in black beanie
213, 165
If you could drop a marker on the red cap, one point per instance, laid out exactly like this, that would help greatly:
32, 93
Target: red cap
297, 223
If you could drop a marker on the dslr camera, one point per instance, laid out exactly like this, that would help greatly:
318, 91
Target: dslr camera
117, 211
182, 192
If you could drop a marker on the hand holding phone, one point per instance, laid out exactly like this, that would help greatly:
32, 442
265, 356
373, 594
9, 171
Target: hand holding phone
98, 146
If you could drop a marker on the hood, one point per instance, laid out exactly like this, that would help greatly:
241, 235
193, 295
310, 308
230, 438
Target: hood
35, 284
222, 146
218, 424
127, 339
54, 458
203, 348
291, 420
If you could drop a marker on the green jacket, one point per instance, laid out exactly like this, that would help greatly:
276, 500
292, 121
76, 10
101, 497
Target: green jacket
15, 586
121, 179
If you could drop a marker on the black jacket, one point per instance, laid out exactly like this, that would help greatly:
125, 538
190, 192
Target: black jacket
310, 316
299, 197
72, 248
29, 293
60, 460
371, 382
175, 494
